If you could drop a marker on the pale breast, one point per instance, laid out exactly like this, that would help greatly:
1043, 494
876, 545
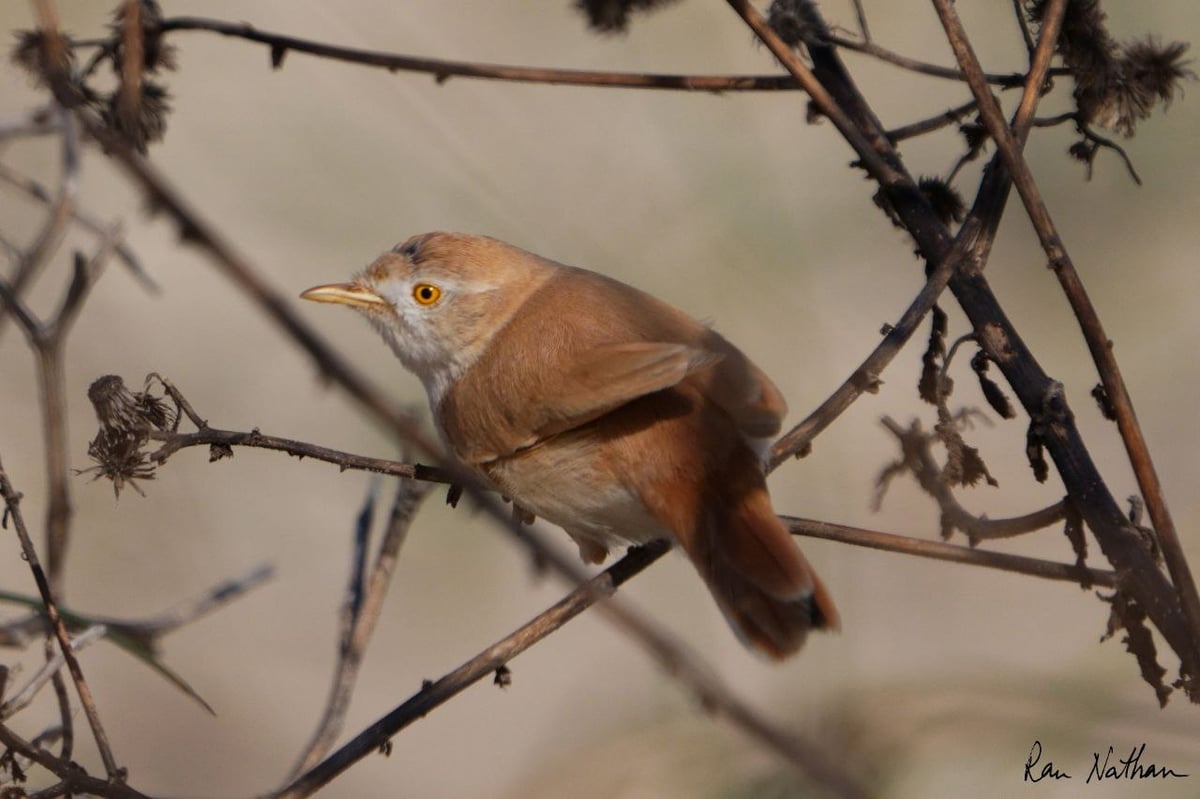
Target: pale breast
565, 482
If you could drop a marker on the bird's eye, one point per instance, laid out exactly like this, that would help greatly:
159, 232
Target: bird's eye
426, 293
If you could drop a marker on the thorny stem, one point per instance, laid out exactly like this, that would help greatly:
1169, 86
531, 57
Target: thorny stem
443, 70
1036, 391
12, 501
436, 693
1008, 144
209, 436
954, 553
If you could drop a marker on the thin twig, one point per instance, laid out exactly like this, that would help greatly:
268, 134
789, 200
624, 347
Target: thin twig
937, 550
1100, 346
79, 781
55, 227
443, 70
1009, 80
435, 693
499, 654
22, 698
31, 122
798, 440
13, 501
146, 630
921, 127
918, 459
1035, 389
409, 494
861, 14
210, 436
1023, 23
89, 222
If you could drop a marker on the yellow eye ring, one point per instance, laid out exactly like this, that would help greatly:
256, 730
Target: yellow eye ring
426, 293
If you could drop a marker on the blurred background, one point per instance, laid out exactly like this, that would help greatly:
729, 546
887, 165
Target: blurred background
731, 207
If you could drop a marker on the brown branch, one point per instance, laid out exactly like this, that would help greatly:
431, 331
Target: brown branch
36, 191
1100, 346
1010, 80
436, 693
921, 127
77, 781
937, 550
499, 654
23, 697
866, 378
1139, 575
12, 501
211, 436
360, 624
918, 459
1090, 135
61, 209
443, 70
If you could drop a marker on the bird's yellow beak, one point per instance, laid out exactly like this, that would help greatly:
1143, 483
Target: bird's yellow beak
351, 294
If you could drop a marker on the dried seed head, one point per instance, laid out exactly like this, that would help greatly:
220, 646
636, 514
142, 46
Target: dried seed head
612, 16
120, 409
946, 202
30, 53
1116, 86
146, 122
796, 23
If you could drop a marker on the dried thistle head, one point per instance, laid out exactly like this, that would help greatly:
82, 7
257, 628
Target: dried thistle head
31, 54
796, 23
947, 203
147, 15
612, 16
119, 458
122, 410
1157, 69
1116, 86
146, 122
126, 419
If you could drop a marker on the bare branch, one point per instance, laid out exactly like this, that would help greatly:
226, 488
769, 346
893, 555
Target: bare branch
931, 124
436, 693
361, 624
443, 70
22, 698
866, 378
210, 436
12, 501
1099, 344
937, 550
918, 459
89, 222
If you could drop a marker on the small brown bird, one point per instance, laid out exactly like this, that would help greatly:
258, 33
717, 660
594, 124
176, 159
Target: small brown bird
600, 409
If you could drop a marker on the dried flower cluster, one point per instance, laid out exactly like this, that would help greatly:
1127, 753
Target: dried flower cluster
1116, 85
795, 22
137, 109
612, 16
126, 419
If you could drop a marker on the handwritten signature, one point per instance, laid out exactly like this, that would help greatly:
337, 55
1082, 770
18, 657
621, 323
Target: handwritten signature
1124, 768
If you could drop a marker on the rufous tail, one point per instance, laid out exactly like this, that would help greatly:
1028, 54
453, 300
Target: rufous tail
758, 576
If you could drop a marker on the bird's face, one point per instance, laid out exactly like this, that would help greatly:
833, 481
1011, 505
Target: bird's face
437, 300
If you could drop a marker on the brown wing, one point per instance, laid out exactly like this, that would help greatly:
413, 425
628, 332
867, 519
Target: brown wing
584, 344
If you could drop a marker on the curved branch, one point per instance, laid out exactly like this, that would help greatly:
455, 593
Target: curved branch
213, 437
1009, 80
442, 70
1100, 346
936, 550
